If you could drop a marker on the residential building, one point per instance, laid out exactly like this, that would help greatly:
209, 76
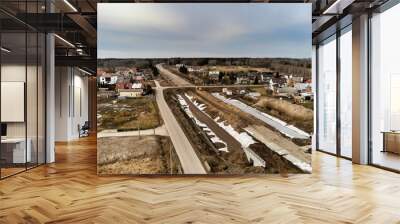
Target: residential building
135, 91
108, 79
213, 76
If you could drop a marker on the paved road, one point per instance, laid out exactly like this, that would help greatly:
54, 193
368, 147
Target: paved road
191, 164
114, 133
178, 81
181, 82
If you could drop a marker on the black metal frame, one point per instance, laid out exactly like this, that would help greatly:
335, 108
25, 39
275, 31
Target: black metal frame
387, 5
44, 70
338, 98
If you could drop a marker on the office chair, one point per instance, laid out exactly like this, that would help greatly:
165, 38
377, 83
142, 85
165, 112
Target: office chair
84, 130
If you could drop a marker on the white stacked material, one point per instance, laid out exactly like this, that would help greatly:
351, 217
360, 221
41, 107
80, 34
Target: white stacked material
304, 166
245, 140
281, 126
211, 135
252, 156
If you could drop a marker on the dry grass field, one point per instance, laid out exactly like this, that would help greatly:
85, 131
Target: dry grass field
128, 114
136, 155
297, 115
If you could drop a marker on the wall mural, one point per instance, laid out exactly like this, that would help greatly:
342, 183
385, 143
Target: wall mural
204, 88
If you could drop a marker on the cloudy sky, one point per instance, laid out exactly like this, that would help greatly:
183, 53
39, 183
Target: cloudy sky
151, 30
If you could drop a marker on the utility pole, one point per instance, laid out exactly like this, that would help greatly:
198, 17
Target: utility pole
139, 129
170, 157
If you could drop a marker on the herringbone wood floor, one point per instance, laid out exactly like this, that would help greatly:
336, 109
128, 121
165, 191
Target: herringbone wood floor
69, 191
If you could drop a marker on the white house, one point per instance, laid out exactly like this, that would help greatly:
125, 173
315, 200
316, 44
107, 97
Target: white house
213, 73
108, 79
302, 86
195, 69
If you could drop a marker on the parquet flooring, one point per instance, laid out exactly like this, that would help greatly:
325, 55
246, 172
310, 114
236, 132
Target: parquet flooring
69, 191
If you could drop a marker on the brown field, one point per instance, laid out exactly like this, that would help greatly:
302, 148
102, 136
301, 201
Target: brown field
294, 114
299, 115
128, 114
136, 155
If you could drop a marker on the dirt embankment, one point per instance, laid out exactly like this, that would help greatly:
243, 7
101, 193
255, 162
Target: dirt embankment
136, 155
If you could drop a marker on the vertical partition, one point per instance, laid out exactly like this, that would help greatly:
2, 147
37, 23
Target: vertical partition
22, 87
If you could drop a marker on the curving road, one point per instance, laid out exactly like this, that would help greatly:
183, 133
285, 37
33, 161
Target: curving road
191, 164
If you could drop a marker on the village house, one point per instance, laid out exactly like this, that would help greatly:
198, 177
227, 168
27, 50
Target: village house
265, 77
104, 92
253, 77
303, 87
242, 78
288, 92
213, 76
195, 69
108, 79
275, 83
123, 85
135, 91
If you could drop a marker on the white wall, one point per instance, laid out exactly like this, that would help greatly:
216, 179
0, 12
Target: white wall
71, 87
12, 73
33, 126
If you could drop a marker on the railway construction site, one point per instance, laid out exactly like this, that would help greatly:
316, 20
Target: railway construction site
229, 140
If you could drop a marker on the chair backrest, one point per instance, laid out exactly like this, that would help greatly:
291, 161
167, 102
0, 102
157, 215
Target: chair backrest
86, 125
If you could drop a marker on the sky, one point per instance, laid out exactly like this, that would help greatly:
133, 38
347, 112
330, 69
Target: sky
161, 30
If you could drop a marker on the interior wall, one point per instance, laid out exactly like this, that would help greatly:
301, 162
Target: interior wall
16, 73
71, 102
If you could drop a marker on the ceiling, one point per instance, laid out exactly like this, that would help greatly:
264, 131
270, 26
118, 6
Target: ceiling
76, 21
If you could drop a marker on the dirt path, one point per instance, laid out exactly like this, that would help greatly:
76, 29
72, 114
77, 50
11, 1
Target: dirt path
161, 130
178, 81
232, 143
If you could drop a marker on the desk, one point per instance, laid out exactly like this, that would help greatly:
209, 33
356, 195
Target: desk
15, 148
391, 141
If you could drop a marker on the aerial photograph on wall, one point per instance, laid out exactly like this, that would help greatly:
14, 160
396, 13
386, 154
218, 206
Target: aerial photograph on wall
210, 88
